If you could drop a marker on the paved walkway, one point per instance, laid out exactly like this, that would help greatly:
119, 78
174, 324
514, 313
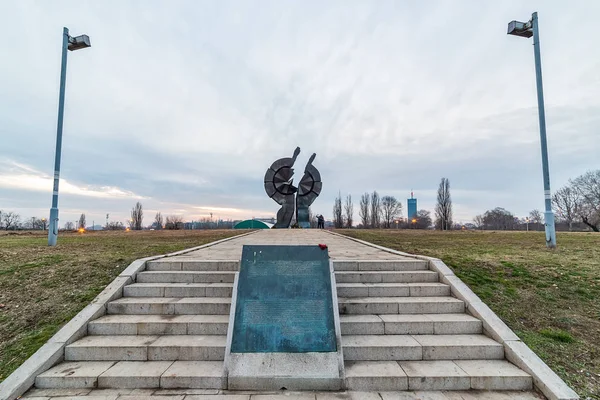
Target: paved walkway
201, 394
340, 248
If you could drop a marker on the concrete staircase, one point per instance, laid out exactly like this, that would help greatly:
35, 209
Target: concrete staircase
401, 330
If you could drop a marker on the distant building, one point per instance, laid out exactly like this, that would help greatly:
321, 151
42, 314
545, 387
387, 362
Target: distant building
412, 207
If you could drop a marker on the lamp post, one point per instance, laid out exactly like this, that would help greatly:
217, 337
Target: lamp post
69, 43
529, 29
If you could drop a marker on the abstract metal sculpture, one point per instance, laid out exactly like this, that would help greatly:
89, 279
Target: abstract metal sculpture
279, 186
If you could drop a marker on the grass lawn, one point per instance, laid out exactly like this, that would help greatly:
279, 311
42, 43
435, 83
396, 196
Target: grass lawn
551, 299
41, 287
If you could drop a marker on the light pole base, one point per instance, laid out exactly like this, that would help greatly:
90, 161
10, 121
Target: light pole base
53, 227
550, 230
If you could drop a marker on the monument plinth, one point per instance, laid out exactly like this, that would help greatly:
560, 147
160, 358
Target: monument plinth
283, 331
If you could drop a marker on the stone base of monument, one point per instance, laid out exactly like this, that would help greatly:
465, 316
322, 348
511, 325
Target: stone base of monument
283, 332
280, 371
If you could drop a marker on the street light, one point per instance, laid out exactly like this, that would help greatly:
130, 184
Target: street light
69, 43
529, 29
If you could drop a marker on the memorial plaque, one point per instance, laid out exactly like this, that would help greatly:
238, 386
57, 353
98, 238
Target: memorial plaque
284, 301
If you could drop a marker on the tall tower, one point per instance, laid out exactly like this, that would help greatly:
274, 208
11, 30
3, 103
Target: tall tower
412, 207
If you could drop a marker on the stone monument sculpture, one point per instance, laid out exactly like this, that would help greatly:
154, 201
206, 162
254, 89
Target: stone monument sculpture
279, 186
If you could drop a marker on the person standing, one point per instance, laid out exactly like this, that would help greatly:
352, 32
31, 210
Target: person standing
320, 222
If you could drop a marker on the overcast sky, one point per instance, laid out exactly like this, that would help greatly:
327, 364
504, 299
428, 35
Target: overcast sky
183, 105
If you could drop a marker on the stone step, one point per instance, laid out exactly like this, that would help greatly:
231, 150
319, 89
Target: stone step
435, 375
168, 264
400, 305
147, 348
360, 375
177, 264
178, 290
392, 289
159, 325
385, 276
366, 376
134, 375
465, 374
381, 348
409, 324
194, 375
78, 374
185, 277
170, 305
420, 347
380, 265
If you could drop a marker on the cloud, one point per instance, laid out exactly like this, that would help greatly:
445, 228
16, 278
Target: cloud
18, 176
186, 105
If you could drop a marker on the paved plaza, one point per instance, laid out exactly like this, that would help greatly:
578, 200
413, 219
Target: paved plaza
340, 248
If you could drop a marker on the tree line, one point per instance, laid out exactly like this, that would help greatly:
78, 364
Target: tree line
576, 206
375, 211
13, 221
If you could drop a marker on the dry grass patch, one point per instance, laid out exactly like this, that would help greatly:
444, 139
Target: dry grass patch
41, 287
551, 299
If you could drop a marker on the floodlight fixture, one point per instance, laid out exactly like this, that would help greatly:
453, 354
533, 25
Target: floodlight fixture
523, 29
79, 42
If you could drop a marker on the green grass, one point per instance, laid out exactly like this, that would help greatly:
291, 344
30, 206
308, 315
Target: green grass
550, 298
558, 335
42, 288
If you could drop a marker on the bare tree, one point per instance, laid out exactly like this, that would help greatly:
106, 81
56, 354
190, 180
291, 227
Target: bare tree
349, 211
69, 226
587, 187
536, 218
137, 216
158, 221
34, 224
478, 221
499, 219
423, 219
443, 209
28, 224
115, 226
375, 210
566, 203
10, 220
81, 222
174, 222
38, 223
363, 210
390, 209
338, 216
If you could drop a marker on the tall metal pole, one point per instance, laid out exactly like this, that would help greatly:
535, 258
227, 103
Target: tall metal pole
548, 214
53, 228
